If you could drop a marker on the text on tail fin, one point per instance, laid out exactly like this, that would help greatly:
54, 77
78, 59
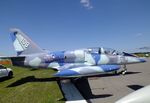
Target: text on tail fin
23, 44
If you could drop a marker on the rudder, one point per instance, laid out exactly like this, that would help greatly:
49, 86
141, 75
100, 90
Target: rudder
23, 44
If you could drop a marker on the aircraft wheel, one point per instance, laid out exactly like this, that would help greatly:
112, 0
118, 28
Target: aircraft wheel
124, 72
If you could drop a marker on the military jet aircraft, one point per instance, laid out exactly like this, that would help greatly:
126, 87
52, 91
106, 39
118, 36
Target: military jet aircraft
139, 96
73, 63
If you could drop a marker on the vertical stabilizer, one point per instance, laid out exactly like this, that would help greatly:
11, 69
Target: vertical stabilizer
23, 44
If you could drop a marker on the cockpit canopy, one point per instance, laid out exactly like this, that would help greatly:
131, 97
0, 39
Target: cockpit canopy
103, 50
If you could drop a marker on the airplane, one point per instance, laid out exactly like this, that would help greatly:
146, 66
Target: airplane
139, 96
71, 63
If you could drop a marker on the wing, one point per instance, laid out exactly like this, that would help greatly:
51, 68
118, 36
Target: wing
70, 66
85, 70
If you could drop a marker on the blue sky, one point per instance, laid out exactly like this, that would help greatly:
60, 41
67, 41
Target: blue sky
73, 24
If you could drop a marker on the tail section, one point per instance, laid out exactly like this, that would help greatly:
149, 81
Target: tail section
23, 44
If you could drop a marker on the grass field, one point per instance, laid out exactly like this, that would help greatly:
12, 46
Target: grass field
30, 86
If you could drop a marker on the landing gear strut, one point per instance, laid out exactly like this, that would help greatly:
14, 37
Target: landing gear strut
124, 70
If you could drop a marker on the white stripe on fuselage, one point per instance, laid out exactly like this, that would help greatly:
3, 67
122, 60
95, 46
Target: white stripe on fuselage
89, 59
103, 59
35, 62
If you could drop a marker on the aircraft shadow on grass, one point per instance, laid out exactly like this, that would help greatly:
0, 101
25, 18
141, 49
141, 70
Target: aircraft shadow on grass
82, 85
31, 79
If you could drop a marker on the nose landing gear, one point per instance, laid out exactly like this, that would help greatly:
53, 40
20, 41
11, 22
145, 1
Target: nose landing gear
124, 70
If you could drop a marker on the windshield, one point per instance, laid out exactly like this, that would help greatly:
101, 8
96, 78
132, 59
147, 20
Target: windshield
102, 50
111, 51
94, 50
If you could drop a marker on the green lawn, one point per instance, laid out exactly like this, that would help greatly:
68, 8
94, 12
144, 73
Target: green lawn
30, 86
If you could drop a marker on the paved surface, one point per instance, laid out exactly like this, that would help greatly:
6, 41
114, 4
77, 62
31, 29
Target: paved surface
110, 88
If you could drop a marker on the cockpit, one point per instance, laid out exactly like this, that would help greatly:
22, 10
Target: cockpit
103, 50
94, 50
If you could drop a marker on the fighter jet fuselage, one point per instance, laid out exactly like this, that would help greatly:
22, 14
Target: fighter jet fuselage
81, 56
80, 62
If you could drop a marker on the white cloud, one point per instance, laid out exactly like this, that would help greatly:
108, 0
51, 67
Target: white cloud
139, 34
86, 3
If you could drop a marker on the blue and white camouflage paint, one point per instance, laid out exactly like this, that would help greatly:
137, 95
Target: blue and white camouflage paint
74, 63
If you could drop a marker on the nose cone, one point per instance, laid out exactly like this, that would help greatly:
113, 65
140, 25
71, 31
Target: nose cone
142, 60
132, 60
